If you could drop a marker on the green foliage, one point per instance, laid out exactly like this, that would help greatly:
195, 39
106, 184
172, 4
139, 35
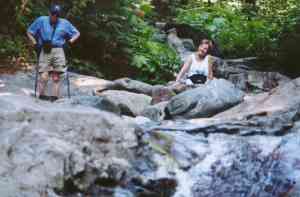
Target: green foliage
236, 34
115, 34
85, 67
12, 48
156, 61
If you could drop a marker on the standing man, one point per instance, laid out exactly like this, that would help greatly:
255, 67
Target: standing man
49, 34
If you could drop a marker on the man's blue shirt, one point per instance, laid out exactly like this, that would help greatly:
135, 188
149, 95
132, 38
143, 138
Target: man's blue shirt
42, 29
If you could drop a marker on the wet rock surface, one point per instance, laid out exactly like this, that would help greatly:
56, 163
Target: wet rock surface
86, 146
245, 169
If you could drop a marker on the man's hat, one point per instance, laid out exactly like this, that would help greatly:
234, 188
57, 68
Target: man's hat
55, 9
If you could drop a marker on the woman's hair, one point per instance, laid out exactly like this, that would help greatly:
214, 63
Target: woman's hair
209, 43
206, 41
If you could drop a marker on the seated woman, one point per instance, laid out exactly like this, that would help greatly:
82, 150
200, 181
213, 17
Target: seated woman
198, 66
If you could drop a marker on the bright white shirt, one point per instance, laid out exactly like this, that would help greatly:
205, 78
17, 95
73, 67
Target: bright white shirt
199, 67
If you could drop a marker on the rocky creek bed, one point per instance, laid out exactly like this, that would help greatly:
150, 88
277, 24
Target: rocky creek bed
111, 139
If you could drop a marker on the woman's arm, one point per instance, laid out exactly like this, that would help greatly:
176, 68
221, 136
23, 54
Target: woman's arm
184, 69
210, 69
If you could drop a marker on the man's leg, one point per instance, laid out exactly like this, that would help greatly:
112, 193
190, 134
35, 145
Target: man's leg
43, 81
59, 62
56, 84
44, 63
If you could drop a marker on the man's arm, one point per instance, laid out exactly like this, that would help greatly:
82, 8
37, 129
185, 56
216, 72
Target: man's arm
74, 38
33, 30
73, 33
31, 38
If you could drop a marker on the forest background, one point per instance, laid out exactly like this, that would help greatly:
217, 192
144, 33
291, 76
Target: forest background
119, 37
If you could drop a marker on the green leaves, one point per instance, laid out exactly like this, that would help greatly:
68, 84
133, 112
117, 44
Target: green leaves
117, 32
156, 60
139, 61
236, 34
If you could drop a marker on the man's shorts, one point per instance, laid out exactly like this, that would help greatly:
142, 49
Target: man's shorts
53, 61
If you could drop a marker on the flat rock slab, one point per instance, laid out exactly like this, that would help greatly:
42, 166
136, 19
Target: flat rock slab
22, 83
127, 84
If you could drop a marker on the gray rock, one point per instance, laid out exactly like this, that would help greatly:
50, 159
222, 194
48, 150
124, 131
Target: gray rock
71, 148
23, 84
175, 42
155, 112
130, 104
49, 145
227, 164
244, 167
92, 101
188, 44
274, 113
242, 73
180, 147
206, 100
161, 93
127, 84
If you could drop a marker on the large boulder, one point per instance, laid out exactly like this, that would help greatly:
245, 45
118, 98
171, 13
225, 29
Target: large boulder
130, 104
273, 113
205, 101
57, 149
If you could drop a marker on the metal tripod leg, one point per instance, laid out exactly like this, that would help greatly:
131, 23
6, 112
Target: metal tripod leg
68, 84
36, 80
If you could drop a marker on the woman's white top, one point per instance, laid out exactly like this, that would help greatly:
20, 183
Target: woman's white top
199, 67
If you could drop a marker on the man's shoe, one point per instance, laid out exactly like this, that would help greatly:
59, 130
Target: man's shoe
53, 98
44, 97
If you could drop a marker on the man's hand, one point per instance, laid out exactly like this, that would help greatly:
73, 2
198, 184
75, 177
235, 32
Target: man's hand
36, 46
74, 38
70, 41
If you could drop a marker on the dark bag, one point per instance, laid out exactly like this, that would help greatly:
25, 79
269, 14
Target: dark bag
47, 44
198, 78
